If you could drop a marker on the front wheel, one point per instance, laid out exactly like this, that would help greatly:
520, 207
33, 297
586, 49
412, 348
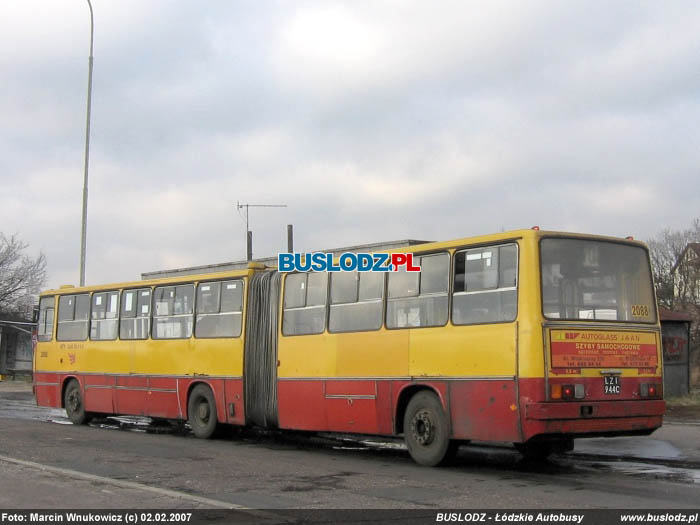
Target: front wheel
426, 430
201, 412
73, 403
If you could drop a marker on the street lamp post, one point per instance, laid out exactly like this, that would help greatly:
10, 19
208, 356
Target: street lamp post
87, 156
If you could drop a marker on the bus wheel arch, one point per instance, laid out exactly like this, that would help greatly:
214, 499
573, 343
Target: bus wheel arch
426, 426
72, 400
405, 397
201, 410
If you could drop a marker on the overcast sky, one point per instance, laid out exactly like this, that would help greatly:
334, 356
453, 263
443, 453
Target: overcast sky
372, 121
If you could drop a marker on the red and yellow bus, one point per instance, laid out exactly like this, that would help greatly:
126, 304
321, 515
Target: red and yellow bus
528, 337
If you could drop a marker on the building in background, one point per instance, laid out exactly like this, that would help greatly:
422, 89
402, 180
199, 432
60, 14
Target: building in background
16, 349
686, 292
675, 337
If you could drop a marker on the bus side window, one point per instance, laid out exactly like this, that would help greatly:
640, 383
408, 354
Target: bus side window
173, 315
305, 303
419, 299
135, 318
105, 313
73, 317
485, 285
356, 301
45, 323
219, 309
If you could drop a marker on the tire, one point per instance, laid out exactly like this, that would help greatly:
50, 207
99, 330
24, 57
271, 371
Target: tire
73, 403
426, 430
201, 412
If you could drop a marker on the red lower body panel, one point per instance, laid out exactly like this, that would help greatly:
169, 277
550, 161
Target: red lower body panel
47, 389
99, 393
153, 396
480, 409
484, 410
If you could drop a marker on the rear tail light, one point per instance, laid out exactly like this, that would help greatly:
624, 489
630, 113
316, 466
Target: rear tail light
556, 392
650, 390
567, 391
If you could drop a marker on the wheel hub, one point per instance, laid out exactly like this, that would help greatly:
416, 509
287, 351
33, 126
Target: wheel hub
203, 411
74, 401
422, 428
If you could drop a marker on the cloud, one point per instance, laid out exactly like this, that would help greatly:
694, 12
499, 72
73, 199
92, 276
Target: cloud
371, 121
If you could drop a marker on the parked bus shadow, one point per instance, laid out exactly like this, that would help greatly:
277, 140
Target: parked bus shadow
469, 457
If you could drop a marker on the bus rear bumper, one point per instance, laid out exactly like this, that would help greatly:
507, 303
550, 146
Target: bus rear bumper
595, 409
596, 418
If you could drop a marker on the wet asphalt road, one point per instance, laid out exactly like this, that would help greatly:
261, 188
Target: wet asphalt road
46, 461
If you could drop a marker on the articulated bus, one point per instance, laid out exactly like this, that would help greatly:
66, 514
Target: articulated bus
527, 337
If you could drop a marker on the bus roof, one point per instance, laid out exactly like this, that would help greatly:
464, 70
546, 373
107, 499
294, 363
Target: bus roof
513, 234
417, 248
232, 274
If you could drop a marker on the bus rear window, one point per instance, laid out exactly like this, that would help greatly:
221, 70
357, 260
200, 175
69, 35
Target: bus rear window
596, 280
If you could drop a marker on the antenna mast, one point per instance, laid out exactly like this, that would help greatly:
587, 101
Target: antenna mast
248, 233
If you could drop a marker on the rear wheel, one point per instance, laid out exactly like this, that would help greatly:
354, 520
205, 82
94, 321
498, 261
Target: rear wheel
201, 412
426, 430
73, 403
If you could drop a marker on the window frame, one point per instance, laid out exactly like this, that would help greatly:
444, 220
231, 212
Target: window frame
496, 244
42, 338
219, 312
149, 317
153, 315
73, 320
381, 300
419, 295
106, 293
654, 304
305, 307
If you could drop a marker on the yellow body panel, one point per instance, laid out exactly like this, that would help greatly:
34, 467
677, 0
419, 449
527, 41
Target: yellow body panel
500, 349
214, 357
180, 357
463, 351
382, 353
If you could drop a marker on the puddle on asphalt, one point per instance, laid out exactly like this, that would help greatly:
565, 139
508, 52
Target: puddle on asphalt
506, 457
503, 458
628, 447
644, 470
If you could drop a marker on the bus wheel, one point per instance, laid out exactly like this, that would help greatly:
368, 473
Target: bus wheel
73, 402
426, 431
201, 412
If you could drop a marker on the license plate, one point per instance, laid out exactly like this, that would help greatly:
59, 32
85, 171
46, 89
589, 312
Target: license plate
611, 385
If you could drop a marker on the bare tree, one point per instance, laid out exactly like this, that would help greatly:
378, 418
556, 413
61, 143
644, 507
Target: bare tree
675, 285
21, 276
677, 275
